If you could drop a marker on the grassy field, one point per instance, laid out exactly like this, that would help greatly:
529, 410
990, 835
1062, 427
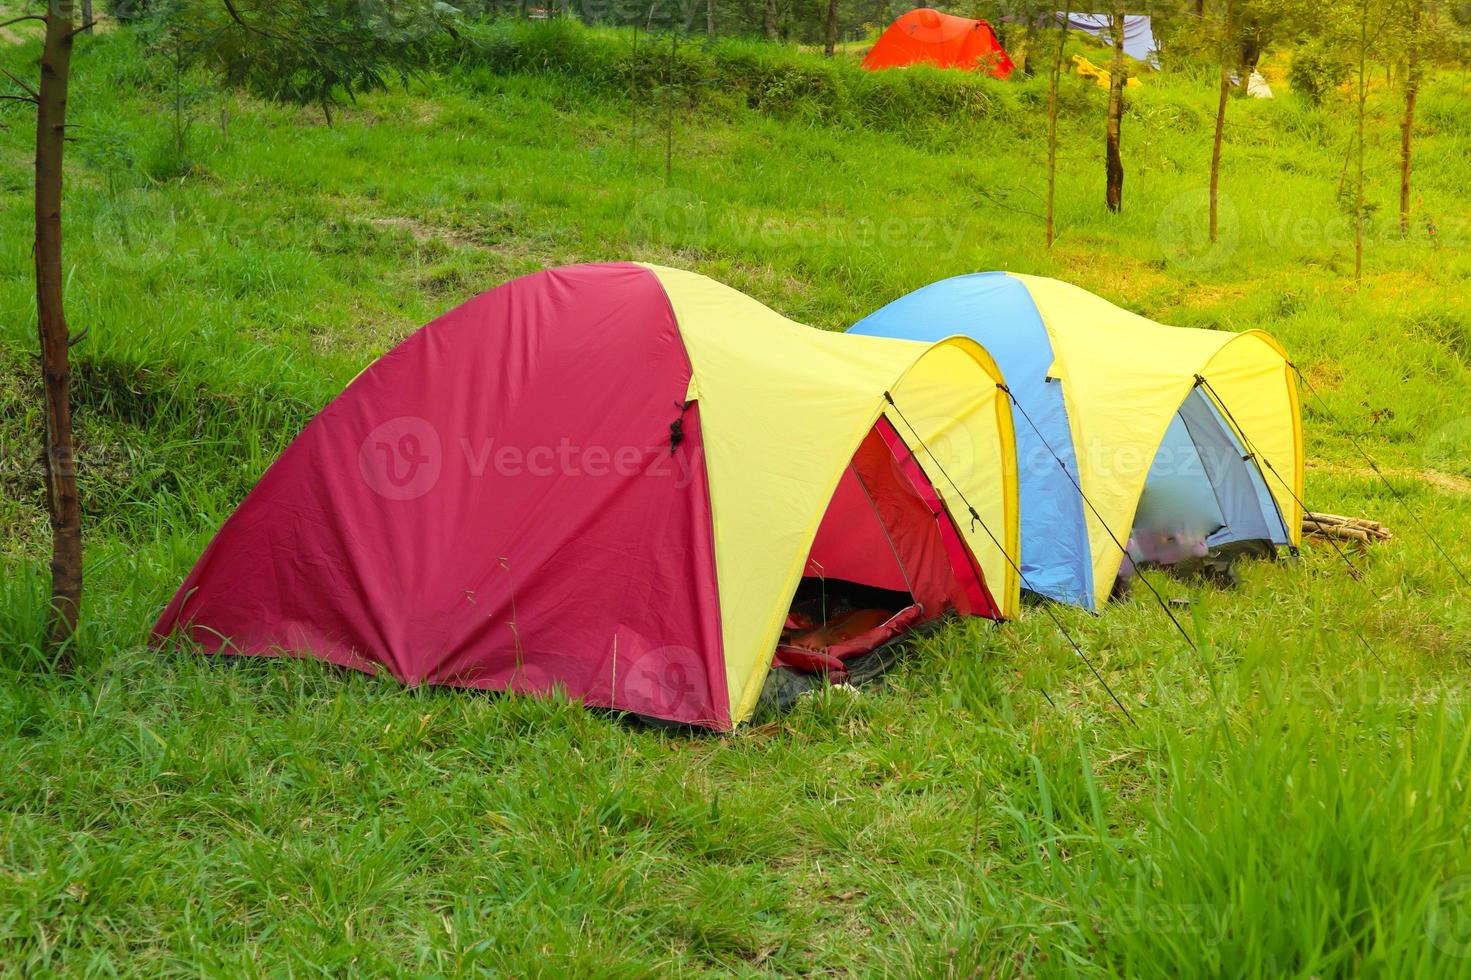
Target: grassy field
1293, 801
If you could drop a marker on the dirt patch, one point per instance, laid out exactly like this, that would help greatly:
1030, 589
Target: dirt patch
422, 232
1445, 482
1323, 375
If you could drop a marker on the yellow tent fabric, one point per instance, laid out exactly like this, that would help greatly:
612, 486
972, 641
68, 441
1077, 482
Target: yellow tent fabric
783, 408
1100, 76
1124, 378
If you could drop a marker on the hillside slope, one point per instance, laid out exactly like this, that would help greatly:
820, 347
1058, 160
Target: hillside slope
1292, 800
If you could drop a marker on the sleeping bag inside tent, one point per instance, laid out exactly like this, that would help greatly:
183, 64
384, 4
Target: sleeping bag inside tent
1137, 442
928, 37
628, 483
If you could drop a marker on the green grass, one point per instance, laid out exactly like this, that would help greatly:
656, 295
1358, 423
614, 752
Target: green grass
1289, 804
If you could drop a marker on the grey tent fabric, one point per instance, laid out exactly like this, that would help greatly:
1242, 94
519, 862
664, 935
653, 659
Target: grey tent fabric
1138, 31
1180, 498
1202, 488
1266, 503
1231, 477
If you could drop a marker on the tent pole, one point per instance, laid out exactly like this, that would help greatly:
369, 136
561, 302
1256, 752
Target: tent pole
908, 584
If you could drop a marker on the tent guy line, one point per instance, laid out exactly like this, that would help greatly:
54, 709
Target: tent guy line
834, 541
1045, 604
1394, 491
1353, 570
1121, 546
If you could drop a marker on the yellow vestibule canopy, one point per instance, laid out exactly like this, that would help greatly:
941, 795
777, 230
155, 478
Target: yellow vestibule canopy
783, 409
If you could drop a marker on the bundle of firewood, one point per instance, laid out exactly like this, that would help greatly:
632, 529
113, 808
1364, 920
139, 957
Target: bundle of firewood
1359, 529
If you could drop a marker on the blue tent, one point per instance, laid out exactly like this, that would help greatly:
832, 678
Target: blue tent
1124, 427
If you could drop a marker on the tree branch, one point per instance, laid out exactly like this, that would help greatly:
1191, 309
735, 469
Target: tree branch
235, 16
28, 90
89, 25
17, 20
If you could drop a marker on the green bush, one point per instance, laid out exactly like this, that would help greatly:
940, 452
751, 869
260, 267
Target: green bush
1316, 71
126, 10
764, 77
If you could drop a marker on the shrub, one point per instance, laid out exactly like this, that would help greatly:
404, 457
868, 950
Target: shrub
764, 77
1316, 71
128, 10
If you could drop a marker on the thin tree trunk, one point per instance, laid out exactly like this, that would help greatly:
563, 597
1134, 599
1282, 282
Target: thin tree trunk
1407, 124
1113, 156
669, 112
1226, 45
768, 24
178, 103
710, 18
1052, 82
1363, 94
61, 477
633, 95
87, 16
831, 43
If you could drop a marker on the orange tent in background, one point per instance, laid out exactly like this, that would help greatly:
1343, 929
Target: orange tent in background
928, 37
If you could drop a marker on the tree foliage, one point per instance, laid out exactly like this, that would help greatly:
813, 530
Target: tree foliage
129, 10
310, 51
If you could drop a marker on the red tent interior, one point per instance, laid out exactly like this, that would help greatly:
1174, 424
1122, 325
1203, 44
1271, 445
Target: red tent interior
928, 37
887, 556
